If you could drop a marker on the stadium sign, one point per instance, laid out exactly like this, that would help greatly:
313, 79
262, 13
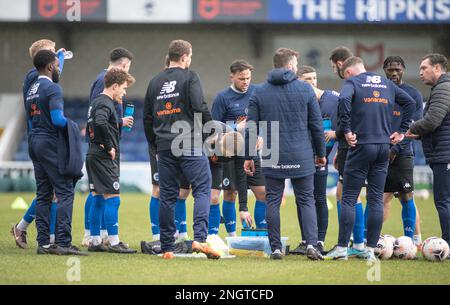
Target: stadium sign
359, 11
68, 10
150, 11
229, 10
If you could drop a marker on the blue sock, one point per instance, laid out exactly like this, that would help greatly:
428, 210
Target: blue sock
102, 220
112, 215
260, 214
338, 204
30, 214
154, 215
180, 215
409, 217
229, 214
53, 218
96, 214
358, 229
366, 215
87, 210
214, 219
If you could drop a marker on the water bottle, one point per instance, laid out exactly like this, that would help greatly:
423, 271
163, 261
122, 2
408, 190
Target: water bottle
327, 127
68, 54
129, 111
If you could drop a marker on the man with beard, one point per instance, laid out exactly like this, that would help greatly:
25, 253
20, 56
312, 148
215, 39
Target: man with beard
45, 115
400, 179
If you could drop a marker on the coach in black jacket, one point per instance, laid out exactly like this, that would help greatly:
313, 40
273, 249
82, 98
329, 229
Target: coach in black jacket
174, 111
434, 129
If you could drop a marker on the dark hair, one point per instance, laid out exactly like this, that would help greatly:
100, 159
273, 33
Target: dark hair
178, 48
118, 76
340, 54
43, 58
392, 59
350, 62
240, 65
119, 53
283, 56
437, 59
305, 69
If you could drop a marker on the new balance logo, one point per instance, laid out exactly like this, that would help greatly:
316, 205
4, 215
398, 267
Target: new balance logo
374, 79
168, 87
34, 89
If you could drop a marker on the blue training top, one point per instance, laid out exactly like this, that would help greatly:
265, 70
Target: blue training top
405, 147
231, 106
44, 107
328, 104
365, 108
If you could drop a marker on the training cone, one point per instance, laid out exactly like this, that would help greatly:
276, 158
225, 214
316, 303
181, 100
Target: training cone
19, 204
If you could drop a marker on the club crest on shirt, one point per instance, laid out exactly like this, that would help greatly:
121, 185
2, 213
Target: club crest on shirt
116, 185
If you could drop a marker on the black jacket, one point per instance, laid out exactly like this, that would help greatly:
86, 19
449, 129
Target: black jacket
103, 126
435, 125
174, 95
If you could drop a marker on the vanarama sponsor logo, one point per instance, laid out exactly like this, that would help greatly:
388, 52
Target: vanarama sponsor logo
376, 98
168, 112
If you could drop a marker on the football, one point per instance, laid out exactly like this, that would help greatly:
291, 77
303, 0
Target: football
435, 249
385, 248
404, 248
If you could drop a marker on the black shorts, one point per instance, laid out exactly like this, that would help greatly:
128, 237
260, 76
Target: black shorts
217, 174
103, 173
400, 177
184, 183
234, 174
340, 162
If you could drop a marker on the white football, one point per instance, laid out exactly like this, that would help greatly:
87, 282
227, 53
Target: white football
435, 249
390, 237
385, 248
404, 248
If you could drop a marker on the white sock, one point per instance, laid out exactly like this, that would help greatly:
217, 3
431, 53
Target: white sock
232, 234
52, 238
182, 235
310, 247
341, 249
87, 233
321, 243
104, 234
359, 247
96, 240
113, 240
22, 225
155, 236
417, 239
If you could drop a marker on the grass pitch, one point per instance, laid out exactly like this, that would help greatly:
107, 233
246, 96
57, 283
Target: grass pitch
25, 267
